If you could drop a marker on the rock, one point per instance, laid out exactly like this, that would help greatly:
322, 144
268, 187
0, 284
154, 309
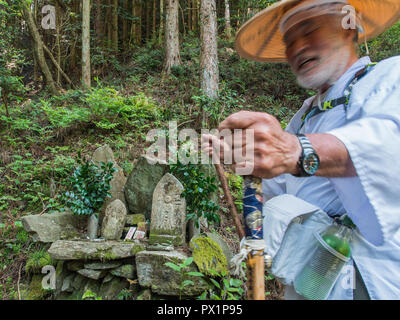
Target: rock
93, 286
91, 250
61, 274
53, 226
67, 283
108, 278
144, 295
125, 271
208, 256
222, 244
114, 220
111, 289
35, 290
140, 186
103, 154
78, 285
92, 274
152, 273
168, 216
117, 183
98, 265
134, 219
74, 265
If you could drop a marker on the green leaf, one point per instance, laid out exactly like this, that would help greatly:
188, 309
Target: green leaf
187, 283
195, 274
188, 261
172, 266
215, 283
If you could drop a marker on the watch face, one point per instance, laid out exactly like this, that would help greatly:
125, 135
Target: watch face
311, 163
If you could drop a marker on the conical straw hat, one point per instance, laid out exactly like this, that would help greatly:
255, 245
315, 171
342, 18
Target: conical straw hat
260, 38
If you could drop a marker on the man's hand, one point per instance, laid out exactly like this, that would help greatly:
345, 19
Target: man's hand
272, 153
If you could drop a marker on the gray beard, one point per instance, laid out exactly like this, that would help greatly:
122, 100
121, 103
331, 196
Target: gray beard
331, 72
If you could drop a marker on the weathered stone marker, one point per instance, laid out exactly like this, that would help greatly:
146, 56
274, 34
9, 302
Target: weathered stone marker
114, 220
168, 214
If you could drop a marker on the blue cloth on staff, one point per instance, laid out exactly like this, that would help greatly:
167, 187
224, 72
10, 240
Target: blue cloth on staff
252, 207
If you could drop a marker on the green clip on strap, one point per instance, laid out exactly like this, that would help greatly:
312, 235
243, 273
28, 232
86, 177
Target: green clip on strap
328, 105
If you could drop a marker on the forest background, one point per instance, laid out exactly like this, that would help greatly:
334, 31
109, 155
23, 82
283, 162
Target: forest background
75, 75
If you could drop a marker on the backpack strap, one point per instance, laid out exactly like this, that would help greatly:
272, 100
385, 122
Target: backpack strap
328, 105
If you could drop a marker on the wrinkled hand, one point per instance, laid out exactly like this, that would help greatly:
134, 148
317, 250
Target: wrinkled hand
263, 145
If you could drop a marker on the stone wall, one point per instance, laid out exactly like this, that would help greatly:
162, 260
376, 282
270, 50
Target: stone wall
120, 259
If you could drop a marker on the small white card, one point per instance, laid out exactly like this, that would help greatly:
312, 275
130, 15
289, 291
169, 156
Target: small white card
130, 233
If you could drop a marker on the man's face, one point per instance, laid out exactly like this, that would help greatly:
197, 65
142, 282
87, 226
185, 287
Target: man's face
318, 51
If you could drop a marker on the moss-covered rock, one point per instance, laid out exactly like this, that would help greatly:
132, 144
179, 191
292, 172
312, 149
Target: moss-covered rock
37, 260
35, 290
134, 219
208, 255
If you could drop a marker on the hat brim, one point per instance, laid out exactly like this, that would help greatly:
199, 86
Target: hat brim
260, 38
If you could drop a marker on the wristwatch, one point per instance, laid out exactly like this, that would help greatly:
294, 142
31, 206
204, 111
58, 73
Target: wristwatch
308, 163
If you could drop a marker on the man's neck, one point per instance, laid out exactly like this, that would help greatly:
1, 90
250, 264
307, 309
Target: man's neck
354, 58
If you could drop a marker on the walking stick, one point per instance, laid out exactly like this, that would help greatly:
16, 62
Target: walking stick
253, 247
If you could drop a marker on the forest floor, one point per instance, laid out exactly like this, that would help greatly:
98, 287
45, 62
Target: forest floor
40, 141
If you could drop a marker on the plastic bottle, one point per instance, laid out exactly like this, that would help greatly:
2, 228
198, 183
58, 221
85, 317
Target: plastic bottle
320, 272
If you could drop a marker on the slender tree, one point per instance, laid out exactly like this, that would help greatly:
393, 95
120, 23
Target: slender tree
209, 72
228, 28
172, 36
38, 49
161, 28
86, 43
114, 26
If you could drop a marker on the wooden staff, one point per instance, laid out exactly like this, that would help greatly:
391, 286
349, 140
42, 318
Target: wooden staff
255, 259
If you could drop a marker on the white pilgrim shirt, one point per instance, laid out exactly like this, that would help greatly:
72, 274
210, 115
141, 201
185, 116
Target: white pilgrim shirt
370, 130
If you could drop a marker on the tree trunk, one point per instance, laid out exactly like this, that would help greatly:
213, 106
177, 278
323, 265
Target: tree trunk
124, 25
148, 20
86, 43
154, 31
136, 30
39, 50
208, 54
228, 28
58, 15
172, 36
189, 14
99, 23
161, 29
115, 26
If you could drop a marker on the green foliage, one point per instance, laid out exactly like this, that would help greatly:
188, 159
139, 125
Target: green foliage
37, 260
108, 109
198, 190
90, 295
218, 109
220, 286
103, 107
89, 187
384, 46
181, 267
235, 184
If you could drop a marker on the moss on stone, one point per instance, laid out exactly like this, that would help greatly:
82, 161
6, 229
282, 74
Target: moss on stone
135, 219
37, 260
35, 290
208, 256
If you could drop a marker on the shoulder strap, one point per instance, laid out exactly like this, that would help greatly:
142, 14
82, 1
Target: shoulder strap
327, 105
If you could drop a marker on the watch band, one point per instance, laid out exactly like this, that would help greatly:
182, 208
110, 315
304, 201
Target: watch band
307, 150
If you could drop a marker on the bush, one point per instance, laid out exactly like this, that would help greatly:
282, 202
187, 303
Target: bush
89, 187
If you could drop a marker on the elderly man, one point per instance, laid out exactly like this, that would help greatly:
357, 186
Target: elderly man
340, 150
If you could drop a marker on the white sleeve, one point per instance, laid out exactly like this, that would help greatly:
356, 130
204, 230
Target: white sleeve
372, 199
